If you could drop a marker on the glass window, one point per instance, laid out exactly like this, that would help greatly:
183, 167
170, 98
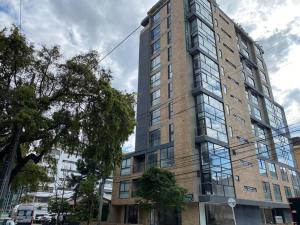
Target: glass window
169, 53
155, 33
250, 81
277, 192
262, 150
257, 113
126, 167
254, 99
245, 53
230, 132
202, 8
168, 7
156, 47
283, 149
227, 109
222, 71
262, 168
171, 110
288, 192
284, 174
170, 90
154, 138
203, 37
260, 63
248, 69
266, 90
155, 63
155, 98
124, 189
220, 53
225, 90
169, 37
267, 191
155, 117
263, 76
211, 117
156, 17
244, 43
171, 132
257, 51
260, 132
272, 170
216, 170
206, 74
169, 22
155, 80
276, 116
152, 160
167, 157
170, 71
250, 189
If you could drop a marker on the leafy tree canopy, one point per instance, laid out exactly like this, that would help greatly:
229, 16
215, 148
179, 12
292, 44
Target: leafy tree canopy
158, 188
30, 177
48, 102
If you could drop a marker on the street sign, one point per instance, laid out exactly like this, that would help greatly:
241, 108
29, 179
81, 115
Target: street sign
231, 202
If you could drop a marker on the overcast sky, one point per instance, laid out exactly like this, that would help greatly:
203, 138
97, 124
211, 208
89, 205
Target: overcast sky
81, 25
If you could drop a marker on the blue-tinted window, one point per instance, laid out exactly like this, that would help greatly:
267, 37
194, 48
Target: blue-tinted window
203, 37
206, 73
262, 168
155, 117
283, 149
167, 157
211, 118
156, 47
154, 138
155, 33
216, 170
202, 8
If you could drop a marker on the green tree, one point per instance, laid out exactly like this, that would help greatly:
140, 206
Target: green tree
86, 208
158, 190
48, 102
30, 177
56, 205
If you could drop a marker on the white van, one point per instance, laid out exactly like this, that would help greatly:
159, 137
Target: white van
25, 214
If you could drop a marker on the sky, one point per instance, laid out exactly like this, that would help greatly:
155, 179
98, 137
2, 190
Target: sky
78, 26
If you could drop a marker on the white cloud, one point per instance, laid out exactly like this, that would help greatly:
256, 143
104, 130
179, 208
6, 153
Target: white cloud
276, 25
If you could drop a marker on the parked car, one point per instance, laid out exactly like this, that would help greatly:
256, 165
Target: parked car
7, 221
25, 214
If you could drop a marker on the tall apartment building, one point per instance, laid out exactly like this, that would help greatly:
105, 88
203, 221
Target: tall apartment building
206, 112
296, 144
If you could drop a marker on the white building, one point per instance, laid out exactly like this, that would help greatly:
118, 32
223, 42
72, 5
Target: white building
66, 165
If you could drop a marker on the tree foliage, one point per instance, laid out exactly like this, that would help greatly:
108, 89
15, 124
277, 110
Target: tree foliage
47, 102
56, 205
158, 189
30, 177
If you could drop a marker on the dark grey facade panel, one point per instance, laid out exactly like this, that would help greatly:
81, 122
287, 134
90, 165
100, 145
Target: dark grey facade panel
143, 100
248, 215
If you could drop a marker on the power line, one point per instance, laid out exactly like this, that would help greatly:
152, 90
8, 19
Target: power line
181, 162
120, 43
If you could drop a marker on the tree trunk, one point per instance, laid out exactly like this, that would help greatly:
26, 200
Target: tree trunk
14, 144
101, 192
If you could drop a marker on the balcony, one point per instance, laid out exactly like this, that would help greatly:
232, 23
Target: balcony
138, 164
